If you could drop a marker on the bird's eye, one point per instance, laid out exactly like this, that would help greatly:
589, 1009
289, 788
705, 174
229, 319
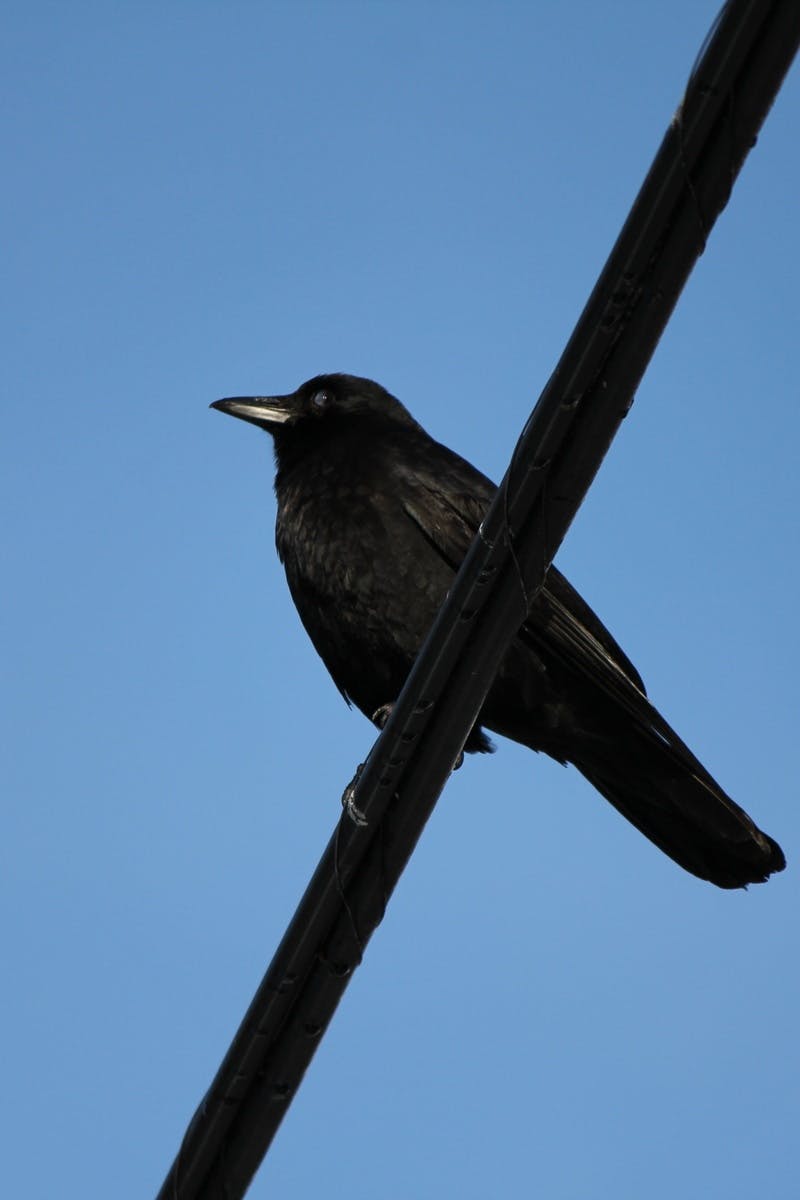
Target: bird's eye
321, 400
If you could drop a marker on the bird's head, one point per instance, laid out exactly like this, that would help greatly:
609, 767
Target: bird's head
320, 407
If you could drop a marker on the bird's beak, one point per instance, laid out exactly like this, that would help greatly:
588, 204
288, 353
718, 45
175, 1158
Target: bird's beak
265, 411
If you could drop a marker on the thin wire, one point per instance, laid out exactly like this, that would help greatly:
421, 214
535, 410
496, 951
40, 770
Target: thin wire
342, 894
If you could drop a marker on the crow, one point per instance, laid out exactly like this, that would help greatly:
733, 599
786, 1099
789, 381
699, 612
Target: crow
374, 519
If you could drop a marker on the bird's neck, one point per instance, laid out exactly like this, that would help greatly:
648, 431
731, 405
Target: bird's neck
335, 459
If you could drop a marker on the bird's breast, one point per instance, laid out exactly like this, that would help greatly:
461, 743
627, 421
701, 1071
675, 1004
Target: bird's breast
365, 581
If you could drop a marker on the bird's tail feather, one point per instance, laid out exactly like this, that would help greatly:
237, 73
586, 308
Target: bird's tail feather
621, 743
683, 811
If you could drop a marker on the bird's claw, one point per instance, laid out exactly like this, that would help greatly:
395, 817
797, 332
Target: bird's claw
381, 715
349, 800
379, 718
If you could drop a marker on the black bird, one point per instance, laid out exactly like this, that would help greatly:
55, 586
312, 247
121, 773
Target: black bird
374, 519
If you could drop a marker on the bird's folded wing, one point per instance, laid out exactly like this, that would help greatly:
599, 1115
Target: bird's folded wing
449, 507
563, 594
557, 632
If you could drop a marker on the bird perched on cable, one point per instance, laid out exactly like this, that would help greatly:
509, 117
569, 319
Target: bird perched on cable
374, 519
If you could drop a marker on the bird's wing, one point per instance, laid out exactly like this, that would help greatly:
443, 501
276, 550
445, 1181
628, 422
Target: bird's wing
575, 610
447, 503
556, 633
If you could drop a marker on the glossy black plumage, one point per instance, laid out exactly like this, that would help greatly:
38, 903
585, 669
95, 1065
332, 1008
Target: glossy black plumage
374, 518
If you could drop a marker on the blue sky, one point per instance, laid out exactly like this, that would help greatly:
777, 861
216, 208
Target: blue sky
204, 200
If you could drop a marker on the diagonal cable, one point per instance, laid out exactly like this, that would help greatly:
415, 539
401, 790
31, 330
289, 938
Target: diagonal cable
732, 86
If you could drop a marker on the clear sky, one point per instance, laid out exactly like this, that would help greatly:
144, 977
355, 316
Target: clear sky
206, 199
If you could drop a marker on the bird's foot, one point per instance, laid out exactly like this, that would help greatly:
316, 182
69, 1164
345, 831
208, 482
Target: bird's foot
381, 715
349, 800
379, 718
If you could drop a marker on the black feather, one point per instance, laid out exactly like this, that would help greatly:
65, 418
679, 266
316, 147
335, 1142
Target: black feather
374, 519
